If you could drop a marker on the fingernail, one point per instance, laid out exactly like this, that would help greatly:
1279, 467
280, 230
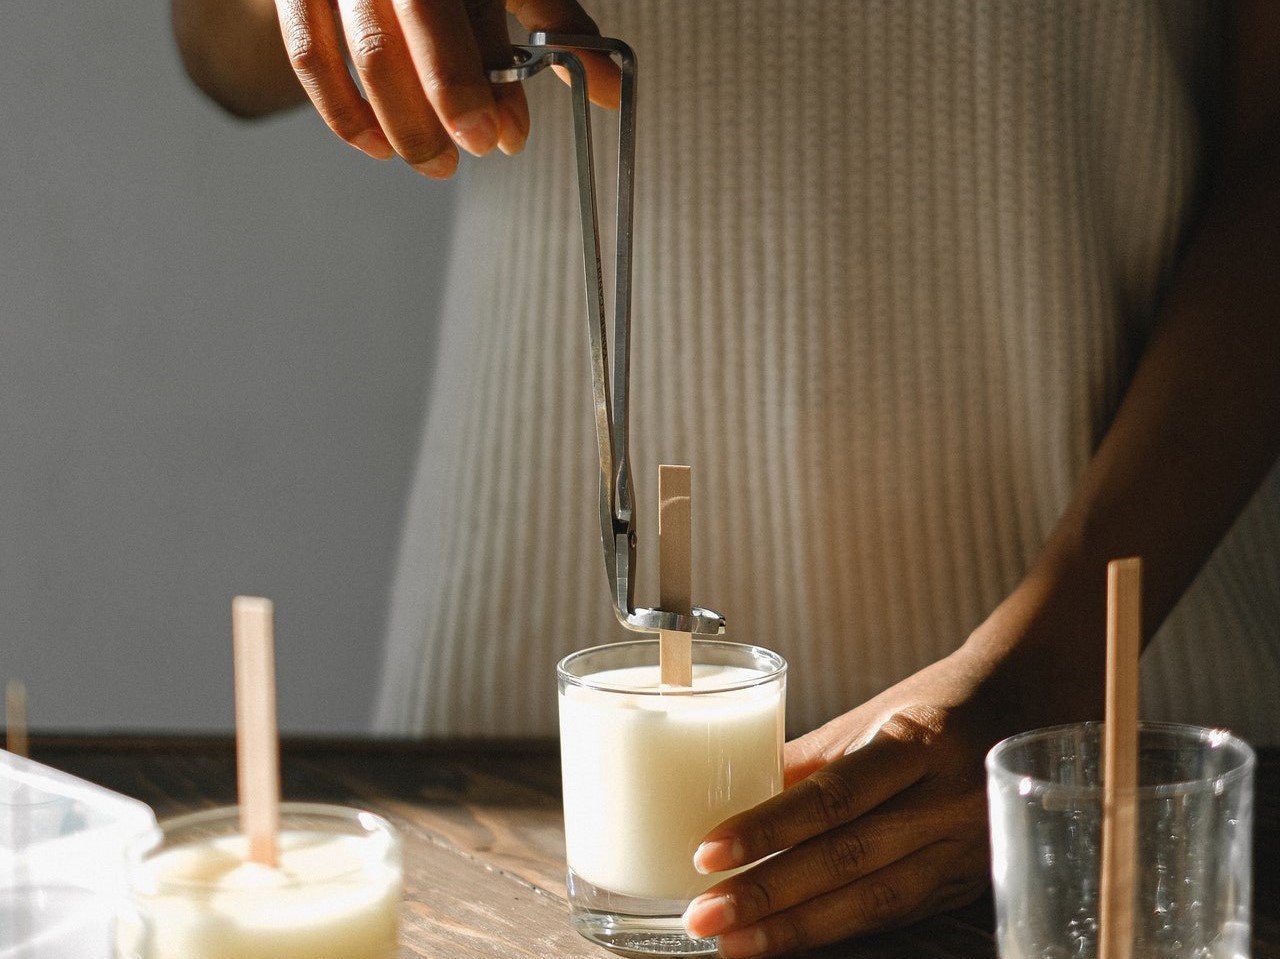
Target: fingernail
742, 943
718, 855
440, 167
374, 143
515, 132
477, 132
709, 916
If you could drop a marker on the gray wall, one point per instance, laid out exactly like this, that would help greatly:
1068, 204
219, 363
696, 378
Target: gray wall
214, 346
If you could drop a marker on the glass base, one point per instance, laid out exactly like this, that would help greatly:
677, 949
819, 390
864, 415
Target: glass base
632, 926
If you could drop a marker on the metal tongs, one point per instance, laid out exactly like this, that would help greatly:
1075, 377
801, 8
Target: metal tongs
617, 507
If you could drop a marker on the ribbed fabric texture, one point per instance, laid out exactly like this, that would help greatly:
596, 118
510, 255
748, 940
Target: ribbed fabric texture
893, 262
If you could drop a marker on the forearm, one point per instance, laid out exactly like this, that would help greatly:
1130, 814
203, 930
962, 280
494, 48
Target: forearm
1196, 432
233, 51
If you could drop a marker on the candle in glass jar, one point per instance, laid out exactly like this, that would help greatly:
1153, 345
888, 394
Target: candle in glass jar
647, 774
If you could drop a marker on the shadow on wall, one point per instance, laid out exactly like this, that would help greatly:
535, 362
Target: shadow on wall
216, 342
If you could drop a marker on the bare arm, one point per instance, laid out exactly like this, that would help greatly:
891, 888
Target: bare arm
1200, 424
885, 820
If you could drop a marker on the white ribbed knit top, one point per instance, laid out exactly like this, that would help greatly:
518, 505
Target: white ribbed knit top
893, 263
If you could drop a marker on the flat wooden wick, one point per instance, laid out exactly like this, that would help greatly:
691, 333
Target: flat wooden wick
675, 575
257, 736
1120, 759
15, 719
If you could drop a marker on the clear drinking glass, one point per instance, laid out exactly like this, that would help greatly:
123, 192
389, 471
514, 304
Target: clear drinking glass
648, 771
1194, 825
335, 894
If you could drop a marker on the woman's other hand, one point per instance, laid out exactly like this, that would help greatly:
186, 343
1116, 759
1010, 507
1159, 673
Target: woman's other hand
883, 822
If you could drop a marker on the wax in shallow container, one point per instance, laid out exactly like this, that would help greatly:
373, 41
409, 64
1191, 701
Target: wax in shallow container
63, 843
334, 893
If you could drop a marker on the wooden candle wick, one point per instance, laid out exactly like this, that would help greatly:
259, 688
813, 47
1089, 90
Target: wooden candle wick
15, 718
675, 576
257, 736
1120, 759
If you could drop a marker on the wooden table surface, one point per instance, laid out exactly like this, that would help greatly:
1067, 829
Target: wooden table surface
484, 844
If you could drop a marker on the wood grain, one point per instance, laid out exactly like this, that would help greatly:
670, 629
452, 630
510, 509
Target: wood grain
1120, 760
257, 735
484, 845
675, 571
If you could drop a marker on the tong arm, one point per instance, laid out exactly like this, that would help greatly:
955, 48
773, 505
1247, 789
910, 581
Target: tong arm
617, 507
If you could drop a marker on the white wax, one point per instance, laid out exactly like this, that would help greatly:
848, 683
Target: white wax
647, 776
333, 896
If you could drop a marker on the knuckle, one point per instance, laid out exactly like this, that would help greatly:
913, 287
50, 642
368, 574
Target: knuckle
449, 77
752, 898
843, 855
371, 48
878, 904
765, 838
833, 796
304, 55
786, 933
917, 728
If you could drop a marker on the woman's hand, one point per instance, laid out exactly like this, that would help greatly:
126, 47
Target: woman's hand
883, 821
422, 65
884, 817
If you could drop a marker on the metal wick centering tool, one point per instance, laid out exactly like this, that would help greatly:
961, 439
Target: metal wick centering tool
617, 508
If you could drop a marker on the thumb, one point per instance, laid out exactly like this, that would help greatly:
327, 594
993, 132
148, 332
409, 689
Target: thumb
604, 80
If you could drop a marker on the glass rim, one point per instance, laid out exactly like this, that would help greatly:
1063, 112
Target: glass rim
778, 670
1185, 733
140, 851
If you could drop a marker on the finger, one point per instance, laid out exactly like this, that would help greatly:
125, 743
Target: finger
808, 753
804, 756
381, 60
489, 22
312, 43
445, 52
830, 861
943, 875
513, 110
604, 80
833, 795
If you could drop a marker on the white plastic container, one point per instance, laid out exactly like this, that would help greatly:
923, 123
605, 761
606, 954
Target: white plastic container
62, 861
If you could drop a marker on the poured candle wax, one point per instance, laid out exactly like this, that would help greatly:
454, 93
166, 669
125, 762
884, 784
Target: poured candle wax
646, 776
332, 896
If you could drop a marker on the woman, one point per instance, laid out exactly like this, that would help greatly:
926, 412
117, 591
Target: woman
962, 299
